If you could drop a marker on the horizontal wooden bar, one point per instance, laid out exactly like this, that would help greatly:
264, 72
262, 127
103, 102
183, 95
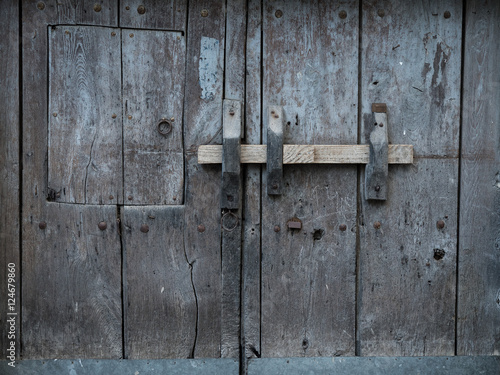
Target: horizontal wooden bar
307, 154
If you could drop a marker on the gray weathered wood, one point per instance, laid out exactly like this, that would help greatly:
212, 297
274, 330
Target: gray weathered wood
478, 328
231, 168
308, 275
85, 126
161, 299
411, 61
97, 12
9, 161
202, 119
274, 167
153, 89
154, 14
377, 169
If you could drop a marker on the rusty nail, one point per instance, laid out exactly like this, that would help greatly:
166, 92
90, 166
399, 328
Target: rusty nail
130, 197
40, 5
111, 197
113, 33
172, 119
377, 225
381, 125
131, 35
141, 9
440, 224
114, 115
343, 227
275, 186
278, 13
231, 112
381, 13
102, 225
66, 32
42, 225
127, 7
272, 112
54, 114
201, 228
174, 198
277, 228
144, 228
276, 116
377, 188
342, 14
204, 12
129, 117
97, 7
447, 14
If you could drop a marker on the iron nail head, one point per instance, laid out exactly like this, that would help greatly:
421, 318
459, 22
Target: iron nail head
144, 228
97, 7
278, 13
343, 14
447, 14
377, 225
204, 12
42, 225
201, 228
102, 225
277, 228
40, 5
440, 224
141, 9
343, 227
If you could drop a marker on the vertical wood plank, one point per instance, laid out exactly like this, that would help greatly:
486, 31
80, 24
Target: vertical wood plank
479, 259
9, 183
97, 12
161, 300
85, 127
203, 125
154, 14
308, 275
251, 228
411, 61
153, 89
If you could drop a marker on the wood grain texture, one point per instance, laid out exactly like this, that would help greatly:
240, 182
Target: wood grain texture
478, 330
85, 127
9, 170
153, 88
161, 299
274, 162
411, 62
251, 228
202, 119
98, 13
72, 283
308, 154
155, 14
308, 275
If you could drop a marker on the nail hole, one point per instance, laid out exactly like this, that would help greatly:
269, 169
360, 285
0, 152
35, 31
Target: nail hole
439, 254
318, 234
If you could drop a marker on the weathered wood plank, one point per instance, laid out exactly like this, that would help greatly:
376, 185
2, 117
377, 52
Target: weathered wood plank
161, 299
153, 89
274, 167
202, 119
478, 328
154, 14
377, 169
411, 61
251, 228
72, 283
9, 182
85, 132
308, 154
308, 275
100, 12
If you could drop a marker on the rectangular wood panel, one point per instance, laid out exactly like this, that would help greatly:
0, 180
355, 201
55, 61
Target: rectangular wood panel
154, 14
310, 56
411, 61
478, 330
85, 127
153, 95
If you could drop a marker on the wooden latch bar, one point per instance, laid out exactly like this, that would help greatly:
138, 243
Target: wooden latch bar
275, 150
231, 134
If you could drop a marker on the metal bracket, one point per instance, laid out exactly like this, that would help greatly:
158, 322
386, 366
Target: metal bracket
275, 150
231, 152
377, 171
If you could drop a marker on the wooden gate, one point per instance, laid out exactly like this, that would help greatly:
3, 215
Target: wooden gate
119, 243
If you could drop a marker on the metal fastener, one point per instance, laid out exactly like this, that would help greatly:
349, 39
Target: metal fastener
204, 12
97, 7
201, 228
381, 125
343, 14
141, 9
129, 117
40, 5
113, 115
377, 188
229, 221
275, 186
447, 14
343, 227
130, 197
42, 225
113, 33
102, 225
277, 228
127, 8
440, 224
144, 228
172, 119
164, 127
278, 13
381, 13
131, 35
231, 112
111, 197
377, 225
54, 114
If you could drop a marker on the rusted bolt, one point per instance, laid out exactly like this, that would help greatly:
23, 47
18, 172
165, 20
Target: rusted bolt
381, 13
278, 13
129, 117
131, 35
342, 14
111, 197
113, 33
130, 197
97, 7
54, 114
144, 228
377, 188
277, 228
447, 14
42, 225
141, 9
102, 225
204, 12
113, 115
201, 228
440, 224
377, 225
127, 8
343, 227
40, 5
